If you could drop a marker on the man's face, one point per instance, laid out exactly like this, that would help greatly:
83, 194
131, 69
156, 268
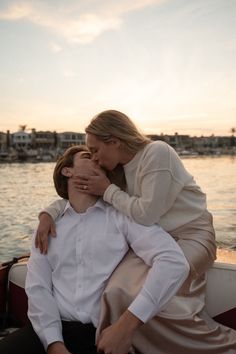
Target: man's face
83, 164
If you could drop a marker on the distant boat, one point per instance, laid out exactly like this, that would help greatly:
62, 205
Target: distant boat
13, 299
187, 153
8, 156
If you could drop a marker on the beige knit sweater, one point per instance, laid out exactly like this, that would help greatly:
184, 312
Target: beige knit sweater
159, 189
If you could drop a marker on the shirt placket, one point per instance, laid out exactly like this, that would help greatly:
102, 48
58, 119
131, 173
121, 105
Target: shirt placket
80, 261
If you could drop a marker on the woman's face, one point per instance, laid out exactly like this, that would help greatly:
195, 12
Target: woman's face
106, 154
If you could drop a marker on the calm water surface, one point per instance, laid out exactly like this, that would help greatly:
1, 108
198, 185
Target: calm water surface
26, 188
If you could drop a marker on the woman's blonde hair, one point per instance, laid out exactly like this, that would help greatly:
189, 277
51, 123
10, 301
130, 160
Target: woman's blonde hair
112, 123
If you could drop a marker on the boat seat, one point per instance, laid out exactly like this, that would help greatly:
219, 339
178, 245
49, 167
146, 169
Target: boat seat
220, 294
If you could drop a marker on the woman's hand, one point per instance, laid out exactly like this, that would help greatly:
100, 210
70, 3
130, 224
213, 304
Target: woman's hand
88, 184
114, 341
46, 227
117, 338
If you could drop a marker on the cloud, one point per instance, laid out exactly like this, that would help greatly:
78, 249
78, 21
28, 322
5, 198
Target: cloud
76, 21
55, 48
69, 74
16, 11
86, 28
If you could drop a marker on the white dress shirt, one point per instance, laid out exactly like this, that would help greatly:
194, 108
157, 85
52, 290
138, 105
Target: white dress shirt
68, 282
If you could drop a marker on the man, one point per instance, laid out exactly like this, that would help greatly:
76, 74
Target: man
65, 286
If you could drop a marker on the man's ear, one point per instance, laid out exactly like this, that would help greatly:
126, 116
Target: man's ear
66, 171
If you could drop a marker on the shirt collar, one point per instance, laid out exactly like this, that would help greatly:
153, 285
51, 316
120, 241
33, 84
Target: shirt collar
100, 204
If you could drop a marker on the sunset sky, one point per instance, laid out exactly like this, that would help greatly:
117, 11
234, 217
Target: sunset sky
169, 64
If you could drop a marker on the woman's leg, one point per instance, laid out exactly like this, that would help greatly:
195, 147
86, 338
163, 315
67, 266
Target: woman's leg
182, 327
197, 240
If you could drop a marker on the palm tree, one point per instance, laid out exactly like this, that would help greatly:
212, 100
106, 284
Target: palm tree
22, 127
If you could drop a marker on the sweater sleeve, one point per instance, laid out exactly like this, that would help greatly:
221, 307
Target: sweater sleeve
161, 177
55, 209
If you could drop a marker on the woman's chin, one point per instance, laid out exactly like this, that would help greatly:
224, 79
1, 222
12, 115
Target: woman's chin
108, 168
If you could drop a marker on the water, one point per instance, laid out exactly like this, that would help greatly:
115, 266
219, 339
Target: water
26, 188
216, 176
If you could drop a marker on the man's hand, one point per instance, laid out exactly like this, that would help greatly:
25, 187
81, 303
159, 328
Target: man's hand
117, 338
57, 348
46, 227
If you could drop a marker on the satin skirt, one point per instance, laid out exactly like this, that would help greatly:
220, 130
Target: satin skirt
183, 326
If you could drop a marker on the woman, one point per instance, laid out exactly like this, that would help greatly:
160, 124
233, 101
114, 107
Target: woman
158, 190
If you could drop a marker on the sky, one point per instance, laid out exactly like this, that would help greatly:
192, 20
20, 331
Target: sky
170, 65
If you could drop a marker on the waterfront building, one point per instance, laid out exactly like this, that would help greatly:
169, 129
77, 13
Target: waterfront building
68, 139
198, 144
48, 145
3, 141
177, 141
21, 140
225, 141
45, 140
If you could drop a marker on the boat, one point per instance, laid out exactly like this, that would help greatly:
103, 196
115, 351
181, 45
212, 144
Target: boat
220, 294
188, 153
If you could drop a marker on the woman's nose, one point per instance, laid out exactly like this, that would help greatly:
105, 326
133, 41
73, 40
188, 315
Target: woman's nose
94, 158
95, 163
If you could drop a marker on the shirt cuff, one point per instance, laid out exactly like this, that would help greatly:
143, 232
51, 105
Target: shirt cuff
143, 308
109, 192
50, 335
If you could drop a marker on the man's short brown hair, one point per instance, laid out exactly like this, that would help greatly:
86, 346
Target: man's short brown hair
66, 160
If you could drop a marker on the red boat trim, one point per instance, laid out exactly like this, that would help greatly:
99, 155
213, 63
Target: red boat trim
227, 318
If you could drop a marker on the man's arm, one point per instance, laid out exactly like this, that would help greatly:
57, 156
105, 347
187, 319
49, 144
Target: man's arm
169, 269
42, 308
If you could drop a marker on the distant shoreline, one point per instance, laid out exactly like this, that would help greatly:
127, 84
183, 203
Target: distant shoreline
182, 156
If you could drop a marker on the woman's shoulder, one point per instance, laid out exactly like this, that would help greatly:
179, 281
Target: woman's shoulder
155, 155
157, 148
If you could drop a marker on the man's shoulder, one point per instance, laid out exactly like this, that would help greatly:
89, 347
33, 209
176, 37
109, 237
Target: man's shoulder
107, 208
